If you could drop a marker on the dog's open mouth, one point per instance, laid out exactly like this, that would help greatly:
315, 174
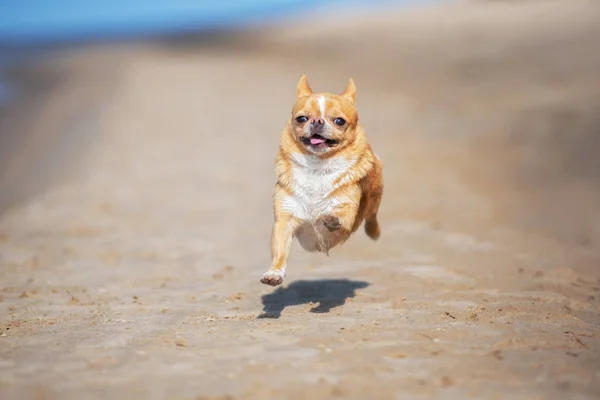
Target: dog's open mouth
319, 141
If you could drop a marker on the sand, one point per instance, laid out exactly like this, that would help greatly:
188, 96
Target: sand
137, 212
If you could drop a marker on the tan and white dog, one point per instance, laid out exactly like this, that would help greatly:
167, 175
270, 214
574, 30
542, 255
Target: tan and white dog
328, 179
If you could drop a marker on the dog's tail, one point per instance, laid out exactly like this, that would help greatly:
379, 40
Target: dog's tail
372, 227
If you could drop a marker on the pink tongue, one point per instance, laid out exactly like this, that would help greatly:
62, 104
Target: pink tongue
316, 141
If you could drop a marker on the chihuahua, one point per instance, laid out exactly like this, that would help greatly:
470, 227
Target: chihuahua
328, 179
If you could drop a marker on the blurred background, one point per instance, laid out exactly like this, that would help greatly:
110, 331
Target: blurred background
142, 134
507, 89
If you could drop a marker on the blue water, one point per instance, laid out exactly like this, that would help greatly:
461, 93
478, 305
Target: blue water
27, 22
30, 27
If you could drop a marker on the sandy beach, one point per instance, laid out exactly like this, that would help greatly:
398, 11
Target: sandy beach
135, 195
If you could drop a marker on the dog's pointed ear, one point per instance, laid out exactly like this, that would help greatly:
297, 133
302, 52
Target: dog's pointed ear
350, 91
303, 88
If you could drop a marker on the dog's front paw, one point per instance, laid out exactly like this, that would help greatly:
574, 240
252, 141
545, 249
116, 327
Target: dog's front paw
273, 278
332, 223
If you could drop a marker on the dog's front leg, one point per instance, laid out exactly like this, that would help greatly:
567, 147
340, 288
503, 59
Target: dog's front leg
281, 240
344, 213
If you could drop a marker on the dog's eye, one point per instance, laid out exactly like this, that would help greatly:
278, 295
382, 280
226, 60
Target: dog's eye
301, 119
339, 121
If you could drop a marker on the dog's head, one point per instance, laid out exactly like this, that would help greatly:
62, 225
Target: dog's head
323, 123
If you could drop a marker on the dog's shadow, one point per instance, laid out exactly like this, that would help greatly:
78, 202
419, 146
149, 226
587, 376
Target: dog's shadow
329, 293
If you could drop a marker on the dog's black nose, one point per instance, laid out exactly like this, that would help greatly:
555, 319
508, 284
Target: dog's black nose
317, 122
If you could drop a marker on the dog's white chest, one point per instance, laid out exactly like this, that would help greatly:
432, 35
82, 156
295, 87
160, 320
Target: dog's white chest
315, 180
